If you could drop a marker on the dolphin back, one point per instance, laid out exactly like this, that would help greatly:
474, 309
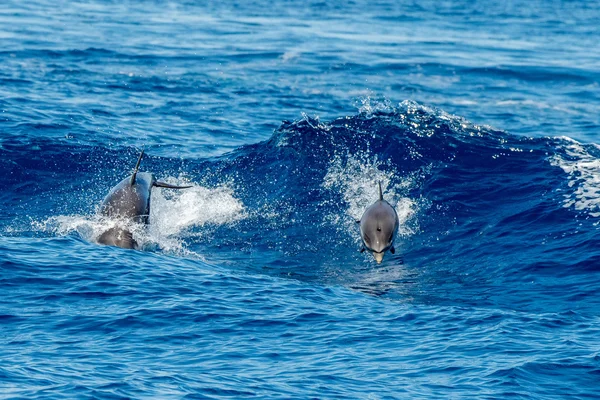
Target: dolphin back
378, 226
127, 200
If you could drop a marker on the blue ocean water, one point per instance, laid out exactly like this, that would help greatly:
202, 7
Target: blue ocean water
480, 120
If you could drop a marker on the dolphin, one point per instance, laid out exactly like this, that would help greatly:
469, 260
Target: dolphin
129, 199
378, 226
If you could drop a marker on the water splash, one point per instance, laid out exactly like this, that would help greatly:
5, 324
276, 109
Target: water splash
173, 212
370, 104
583, 169
355, 177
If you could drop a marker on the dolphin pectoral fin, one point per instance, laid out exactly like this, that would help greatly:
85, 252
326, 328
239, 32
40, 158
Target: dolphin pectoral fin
166, 185
392, 250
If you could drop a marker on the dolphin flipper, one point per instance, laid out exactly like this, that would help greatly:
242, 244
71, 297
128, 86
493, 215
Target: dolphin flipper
166, 185
392, 250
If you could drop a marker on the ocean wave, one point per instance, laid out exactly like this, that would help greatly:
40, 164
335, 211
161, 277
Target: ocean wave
454, 184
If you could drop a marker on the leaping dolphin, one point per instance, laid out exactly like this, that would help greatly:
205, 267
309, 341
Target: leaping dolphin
378, 226
130, 200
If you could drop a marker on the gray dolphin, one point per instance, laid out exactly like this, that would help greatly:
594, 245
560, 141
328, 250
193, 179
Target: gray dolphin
130, 199
378, 226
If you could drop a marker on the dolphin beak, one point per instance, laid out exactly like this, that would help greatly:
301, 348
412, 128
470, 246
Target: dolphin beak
378, 257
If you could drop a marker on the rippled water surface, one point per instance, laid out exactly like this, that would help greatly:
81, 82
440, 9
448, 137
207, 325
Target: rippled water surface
480, 120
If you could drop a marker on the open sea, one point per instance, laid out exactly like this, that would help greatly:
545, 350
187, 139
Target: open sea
480, 120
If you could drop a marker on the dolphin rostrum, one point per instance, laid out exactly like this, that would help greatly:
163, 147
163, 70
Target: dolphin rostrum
378, 226
129, 200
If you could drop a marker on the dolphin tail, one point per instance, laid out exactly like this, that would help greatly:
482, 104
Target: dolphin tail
137, 167
166, 185
380, 192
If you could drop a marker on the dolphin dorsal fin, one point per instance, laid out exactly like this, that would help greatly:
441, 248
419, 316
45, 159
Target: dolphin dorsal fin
380, 192
137, 167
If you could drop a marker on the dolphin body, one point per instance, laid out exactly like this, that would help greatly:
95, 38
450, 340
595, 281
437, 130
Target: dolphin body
378, 226
130, 199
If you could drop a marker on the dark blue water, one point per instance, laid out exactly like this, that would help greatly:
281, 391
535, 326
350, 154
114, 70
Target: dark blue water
480, 120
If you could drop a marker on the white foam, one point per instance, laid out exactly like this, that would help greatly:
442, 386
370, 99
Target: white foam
584, 176
173, 212
172, 215
290, 55
356, 179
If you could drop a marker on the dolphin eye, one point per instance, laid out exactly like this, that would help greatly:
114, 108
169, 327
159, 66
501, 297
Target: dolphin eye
367, 239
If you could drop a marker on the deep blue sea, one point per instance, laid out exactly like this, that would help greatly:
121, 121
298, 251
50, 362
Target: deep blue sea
481, 121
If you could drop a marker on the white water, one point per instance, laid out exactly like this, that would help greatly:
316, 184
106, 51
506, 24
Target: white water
584, 177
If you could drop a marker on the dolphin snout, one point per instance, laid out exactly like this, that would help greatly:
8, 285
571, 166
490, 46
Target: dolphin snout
378, 257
